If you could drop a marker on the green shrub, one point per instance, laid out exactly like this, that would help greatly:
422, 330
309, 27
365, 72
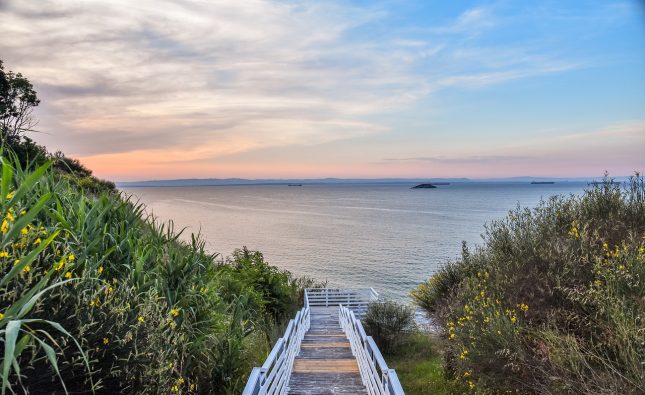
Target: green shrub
553, 301
99, 298
388, 322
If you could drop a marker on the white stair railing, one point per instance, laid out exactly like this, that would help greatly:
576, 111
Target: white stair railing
376, 376
356, 299
273, 377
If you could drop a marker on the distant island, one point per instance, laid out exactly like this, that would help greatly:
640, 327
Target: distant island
423, 186
542, 182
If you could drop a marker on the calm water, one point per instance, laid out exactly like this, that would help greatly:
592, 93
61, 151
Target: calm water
389, 237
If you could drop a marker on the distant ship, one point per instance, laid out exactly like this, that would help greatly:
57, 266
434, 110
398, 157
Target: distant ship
542, 182
294, 185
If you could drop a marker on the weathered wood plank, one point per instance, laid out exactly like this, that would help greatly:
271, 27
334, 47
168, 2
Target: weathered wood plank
325, 366
325, 345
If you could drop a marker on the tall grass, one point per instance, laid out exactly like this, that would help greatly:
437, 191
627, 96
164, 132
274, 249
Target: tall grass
95, 297
553, 302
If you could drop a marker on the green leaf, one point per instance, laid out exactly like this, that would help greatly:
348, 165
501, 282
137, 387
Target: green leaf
32, 301
28, 259
53, 360
25, 219
26, 185
7, 175
11, 335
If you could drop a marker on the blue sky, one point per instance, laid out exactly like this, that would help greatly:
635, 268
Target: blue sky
256, 89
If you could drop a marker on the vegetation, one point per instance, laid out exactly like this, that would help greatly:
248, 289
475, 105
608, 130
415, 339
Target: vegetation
554, 300
418, 365
95, 298
388, 322
411, 352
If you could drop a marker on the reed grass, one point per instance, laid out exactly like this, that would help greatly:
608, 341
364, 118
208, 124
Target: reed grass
98, 297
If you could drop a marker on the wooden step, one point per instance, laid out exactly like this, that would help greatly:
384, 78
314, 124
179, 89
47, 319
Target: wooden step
325, 366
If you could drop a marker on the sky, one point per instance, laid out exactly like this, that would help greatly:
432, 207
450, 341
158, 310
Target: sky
159, 89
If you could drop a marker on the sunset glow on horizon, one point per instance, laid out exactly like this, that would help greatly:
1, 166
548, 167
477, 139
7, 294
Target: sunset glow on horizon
315, 89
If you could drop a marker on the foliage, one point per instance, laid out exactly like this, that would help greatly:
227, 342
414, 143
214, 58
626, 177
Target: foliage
387, 322
553, 302
17, 100
418, 365
96, 297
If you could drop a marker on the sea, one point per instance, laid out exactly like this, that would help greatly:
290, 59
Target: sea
385, 236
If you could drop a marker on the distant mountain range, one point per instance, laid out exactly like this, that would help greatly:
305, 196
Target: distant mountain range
322, 181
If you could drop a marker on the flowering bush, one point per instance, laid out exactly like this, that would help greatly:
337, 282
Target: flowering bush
553, 301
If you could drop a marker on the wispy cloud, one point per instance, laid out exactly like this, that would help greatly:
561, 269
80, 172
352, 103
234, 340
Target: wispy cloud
476, 159
194, 72
157, 82
473, 21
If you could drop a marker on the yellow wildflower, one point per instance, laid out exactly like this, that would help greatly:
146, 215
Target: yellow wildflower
597, 283
471, 385
26, 269
452, 336
110, 289
23, 231
10, 217
513, 319
523, 306
641, 250
141, 319
466, 374
193, 387
60, 265
68, 275
180, 380
10, 195
4, 227
4, 254
106, 340
1, 316
174, 388
100, 269
573, 232
464, 354
23, 212
174, 312
37, 241
71, 258
17, 261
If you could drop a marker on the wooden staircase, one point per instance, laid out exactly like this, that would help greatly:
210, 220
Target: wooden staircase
326, 351
325, 364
